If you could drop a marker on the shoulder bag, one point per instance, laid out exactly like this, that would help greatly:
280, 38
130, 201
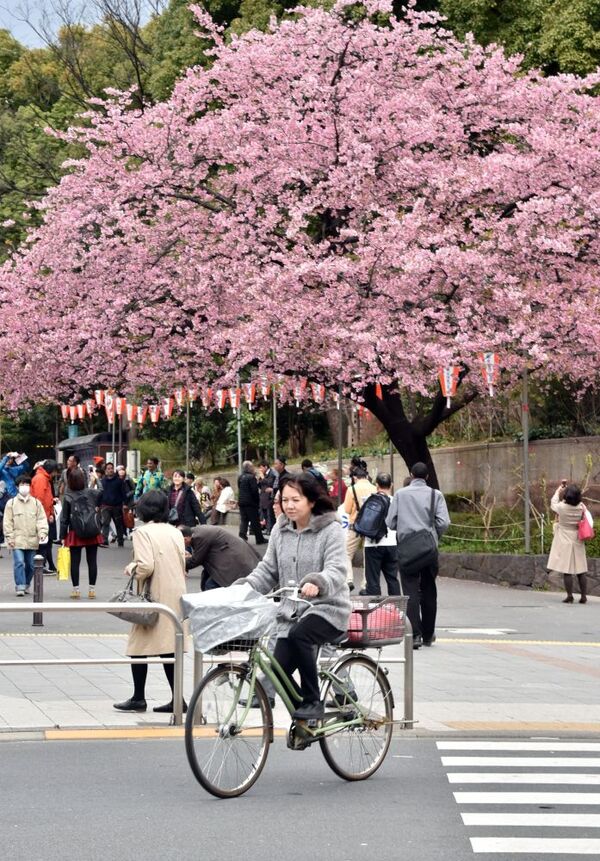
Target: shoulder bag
419, 550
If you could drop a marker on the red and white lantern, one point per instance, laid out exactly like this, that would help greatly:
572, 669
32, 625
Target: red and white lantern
179, 397
206, 398
90, 406
120, 406
140, 414
131, 412
250, 393
167, 407
72, 412
109, 406
81, 411
64, 411
192, 393
99, 395
299, 389
221, 398
155, 410
318, 392
234, 398
449, 382
336, 399
491, 370
265, 388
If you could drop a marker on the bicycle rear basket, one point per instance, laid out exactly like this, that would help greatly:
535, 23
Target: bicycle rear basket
377, 621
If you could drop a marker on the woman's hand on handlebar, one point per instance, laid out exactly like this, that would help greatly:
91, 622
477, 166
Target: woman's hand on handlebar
309, 590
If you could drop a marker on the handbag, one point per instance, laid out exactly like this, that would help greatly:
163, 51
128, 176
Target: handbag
148, 618
585, 528
419, 550
63, 563
128, 518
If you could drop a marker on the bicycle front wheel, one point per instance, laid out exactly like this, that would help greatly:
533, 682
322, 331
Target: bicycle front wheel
362, 691
227, 751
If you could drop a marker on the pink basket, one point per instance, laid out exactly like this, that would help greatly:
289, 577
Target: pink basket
377, 621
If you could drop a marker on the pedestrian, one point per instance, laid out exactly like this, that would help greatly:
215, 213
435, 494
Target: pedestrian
248, 503
224, 556
151, 479
159, 554
308, 466
410, 512
338, 488
202, 493
25, 529
190, 478
266, 480
12, 466
184, 508
111, 500
307, 549
42, 488
279, 465
73, 462
381, 556
360, 488
567, 553
129, 490
79, 529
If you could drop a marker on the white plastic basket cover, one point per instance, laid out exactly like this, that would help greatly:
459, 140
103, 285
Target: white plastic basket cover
219, 615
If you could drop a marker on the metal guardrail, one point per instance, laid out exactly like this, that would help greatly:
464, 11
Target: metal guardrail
406, 722
101, 607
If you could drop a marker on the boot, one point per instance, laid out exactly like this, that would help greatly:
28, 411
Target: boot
582, 578
568, 581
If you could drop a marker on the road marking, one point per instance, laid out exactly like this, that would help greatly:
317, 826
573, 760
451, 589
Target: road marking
534, 820
525, 761
491, 631
536, 798
132, 732
539, 845
526, 777
520, 745
515, 725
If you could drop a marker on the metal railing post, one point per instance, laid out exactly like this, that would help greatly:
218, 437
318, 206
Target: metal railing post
408, 721
38, 588
198, 668
178, 680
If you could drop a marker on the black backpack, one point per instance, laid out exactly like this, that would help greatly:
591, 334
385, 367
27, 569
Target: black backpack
370, 520
84, 517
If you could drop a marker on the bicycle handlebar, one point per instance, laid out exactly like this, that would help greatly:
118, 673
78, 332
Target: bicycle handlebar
292, 593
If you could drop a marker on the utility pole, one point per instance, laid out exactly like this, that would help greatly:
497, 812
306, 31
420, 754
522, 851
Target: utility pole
525, 429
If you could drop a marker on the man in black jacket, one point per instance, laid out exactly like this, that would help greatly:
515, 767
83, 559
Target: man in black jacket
225, 557
248, 503
111, 500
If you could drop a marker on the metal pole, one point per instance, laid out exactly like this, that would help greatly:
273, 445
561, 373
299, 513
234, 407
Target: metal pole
178, 680
274, 422
239, 427
340, 444
408, 721
38, 588
120, 440
392, 461
187, 435
542, 533
525, 427
114, 418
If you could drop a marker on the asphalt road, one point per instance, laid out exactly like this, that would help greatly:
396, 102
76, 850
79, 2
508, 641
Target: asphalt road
131, 800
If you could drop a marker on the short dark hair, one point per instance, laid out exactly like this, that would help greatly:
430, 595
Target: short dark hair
264, 463
572, 494
109, 463
76, 458
306, 463
76, 479
153, 459
223, 481
190, 475
50, 465
186, 531
153, 506
281, 458
384, 479
312, 489
419, 470
24, 479
180, 472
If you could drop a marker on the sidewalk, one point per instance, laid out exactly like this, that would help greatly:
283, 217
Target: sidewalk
504, 660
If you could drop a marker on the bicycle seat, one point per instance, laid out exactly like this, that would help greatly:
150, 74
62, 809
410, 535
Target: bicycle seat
341, 638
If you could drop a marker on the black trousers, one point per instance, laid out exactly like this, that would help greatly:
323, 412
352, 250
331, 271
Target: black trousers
378, 561
108, 513
45, 550
297, 652
91, 556
422, 600
249, 515
140, 673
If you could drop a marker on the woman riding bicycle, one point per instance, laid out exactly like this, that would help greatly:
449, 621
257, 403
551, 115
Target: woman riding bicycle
307, 548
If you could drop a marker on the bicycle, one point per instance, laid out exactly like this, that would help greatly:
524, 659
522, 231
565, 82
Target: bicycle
227, 739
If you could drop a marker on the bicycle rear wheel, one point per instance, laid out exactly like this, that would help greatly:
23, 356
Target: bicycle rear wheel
356, 752
225, 755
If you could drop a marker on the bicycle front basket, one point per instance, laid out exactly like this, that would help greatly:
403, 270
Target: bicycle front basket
219, 616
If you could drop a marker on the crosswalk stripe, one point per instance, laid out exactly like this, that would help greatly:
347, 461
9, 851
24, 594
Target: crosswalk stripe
534, 820
581, 746
536, 798
524, 761
523, 777
540, 845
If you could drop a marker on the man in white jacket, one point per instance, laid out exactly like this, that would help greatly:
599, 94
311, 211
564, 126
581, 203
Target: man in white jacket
25, 528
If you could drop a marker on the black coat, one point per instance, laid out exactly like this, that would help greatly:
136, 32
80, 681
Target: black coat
248, 490
225, 557
191, 513
266, 499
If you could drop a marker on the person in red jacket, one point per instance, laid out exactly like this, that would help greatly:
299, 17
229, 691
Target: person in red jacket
42, 488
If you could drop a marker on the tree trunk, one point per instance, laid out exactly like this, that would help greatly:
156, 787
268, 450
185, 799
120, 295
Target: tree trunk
409, 436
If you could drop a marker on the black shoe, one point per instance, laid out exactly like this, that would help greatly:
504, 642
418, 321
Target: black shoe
340, 700
363, 592
168, 708
309, 711
131, 705
417, 641
121, 544
264, 541
255, 704
429, 642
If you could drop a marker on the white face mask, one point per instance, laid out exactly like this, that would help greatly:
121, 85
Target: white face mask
24, 489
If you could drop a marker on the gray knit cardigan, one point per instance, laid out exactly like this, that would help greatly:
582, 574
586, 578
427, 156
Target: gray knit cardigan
316, 555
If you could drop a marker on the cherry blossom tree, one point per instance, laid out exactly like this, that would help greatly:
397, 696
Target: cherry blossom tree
350, 198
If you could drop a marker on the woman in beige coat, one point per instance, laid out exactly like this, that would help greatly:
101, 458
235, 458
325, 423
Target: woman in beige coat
567, 554
159, 553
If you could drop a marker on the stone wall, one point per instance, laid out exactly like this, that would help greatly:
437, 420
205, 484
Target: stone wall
502, 569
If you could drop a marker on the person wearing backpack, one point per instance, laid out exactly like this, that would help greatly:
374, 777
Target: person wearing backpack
79, 528
360, 488
381, 551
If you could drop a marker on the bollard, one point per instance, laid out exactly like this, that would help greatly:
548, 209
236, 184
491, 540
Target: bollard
38, 588
408, 676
